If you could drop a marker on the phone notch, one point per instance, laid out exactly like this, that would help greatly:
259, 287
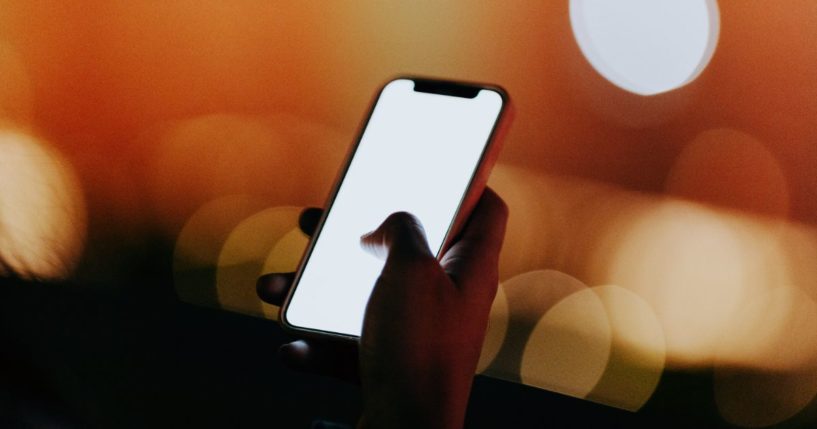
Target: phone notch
453, 89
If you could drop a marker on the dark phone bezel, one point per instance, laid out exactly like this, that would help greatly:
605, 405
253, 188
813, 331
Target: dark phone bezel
427, 85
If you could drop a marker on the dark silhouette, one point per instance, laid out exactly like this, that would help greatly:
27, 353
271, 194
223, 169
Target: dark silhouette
424, 324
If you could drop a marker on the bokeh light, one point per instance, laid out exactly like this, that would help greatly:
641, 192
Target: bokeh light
771, 353
198, 245
646, 46
181, 106
689, 264
638, 350
287, 252
569, 347
244, 255
774, 344
604, 343
697, 266
798, 243
497, 328
773, 329
545, 215
732, 169
530, 296
284, 258
42, 209
596, 228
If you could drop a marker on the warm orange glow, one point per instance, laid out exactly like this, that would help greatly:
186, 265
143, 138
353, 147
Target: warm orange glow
696, 266
532, 228
698, 203
16, 101
731, 169
42, 211
798, 243
549, 216
208, 157
282, 159
704, 283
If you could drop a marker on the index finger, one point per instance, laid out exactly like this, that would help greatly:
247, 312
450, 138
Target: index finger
273, 288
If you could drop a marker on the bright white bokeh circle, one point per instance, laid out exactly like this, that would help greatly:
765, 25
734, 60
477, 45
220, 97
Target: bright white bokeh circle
646, 46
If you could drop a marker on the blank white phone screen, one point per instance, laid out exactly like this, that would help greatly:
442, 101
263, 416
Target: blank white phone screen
418, 154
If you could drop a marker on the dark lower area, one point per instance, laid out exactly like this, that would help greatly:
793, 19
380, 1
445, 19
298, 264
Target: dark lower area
81, 357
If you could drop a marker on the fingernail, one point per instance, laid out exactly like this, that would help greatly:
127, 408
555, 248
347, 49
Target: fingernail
261, 281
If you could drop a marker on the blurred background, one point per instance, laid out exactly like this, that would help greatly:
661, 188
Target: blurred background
659, 267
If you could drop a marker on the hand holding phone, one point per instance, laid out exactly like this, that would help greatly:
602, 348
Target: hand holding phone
425, 321
421, 164
426, 148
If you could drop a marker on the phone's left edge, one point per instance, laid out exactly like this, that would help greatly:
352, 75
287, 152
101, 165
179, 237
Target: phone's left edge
282, 319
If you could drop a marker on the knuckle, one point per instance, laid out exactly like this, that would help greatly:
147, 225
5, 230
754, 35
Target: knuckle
403, 226
400, 220
422, 264
501, 207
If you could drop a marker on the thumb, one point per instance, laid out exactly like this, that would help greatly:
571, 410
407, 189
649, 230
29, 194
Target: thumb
400, 236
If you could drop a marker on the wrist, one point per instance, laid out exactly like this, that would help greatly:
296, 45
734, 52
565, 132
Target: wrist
433, 400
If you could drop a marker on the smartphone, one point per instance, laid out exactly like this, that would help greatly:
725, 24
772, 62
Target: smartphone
426, 148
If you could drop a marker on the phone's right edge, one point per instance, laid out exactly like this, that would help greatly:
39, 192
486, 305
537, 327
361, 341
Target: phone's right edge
495, 143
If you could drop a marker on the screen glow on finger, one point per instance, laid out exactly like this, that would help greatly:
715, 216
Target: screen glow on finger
646, 46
